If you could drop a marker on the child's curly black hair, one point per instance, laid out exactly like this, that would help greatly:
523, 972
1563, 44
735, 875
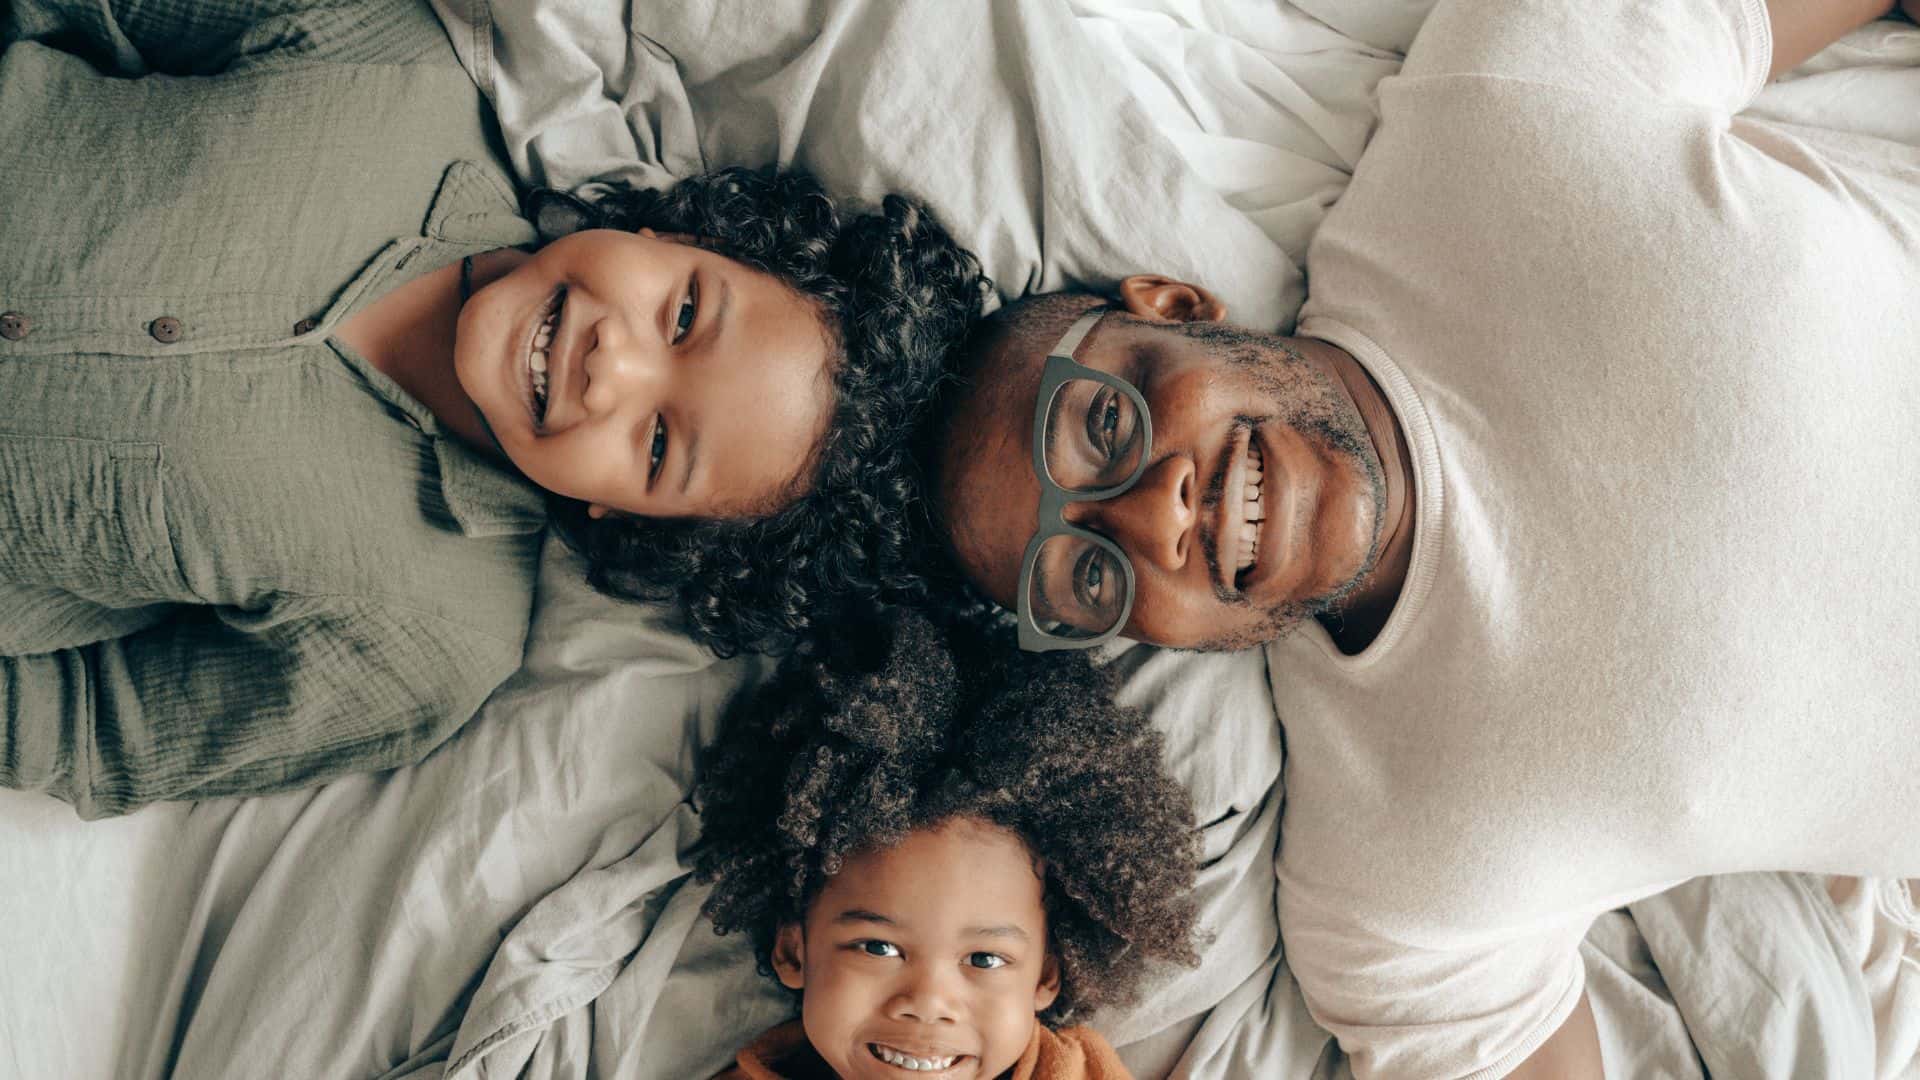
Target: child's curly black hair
896, 295
835, 756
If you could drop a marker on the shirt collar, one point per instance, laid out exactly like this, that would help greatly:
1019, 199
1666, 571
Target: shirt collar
473, 210
475, 206
483, 498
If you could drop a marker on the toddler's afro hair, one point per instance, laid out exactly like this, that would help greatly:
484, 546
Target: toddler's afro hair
843, 753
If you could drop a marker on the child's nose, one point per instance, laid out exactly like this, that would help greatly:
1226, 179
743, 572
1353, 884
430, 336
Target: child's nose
622, 364
929, 994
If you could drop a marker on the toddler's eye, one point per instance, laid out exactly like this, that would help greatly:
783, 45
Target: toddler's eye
689, 310
986, 961
878, 948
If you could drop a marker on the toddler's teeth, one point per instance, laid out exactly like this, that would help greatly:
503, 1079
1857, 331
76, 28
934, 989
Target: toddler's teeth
539, 361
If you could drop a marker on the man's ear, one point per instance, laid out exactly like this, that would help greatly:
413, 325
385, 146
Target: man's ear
790, 956
1048, 991
1151, 296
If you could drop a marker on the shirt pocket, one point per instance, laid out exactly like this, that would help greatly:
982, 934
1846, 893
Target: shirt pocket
87, 517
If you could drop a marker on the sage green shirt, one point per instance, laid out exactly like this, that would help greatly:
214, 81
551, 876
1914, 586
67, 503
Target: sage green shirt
235, 558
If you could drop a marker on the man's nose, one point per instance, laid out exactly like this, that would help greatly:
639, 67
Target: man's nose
928, 993
621, 363
1152, 522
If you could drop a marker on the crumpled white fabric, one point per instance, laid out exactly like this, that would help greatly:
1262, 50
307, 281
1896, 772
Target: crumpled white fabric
999, 115
1882, 932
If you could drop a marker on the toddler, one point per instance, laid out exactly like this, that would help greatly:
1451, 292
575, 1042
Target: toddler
949, 856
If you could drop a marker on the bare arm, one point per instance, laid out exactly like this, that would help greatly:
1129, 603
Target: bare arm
1804, 27
1572, 1053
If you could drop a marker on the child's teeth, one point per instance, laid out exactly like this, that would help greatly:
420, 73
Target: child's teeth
895, 1057
539, 360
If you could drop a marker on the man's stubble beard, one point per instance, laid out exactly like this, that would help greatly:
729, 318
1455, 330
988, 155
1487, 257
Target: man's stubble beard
1321, 412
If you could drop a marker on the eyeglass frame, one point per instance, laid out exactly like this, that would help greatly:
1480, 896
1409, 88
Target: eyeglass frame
1051, 519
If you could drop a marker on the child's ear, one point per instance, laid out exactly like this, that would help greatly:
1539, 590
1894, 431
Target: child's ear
1049, 988
790, 956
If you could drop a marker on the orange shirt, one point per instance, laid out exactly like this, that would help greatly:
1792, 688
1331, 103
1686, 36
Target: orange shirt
1074, 1053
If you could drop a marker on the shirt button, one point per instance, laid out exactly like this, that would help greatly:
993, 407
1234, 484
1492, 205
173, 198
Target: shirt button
304, 326
165, 329
14, 326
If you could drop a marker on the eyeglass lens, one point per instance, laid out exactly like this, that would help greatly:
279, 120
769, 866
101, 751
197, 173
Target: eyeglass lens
1077, 589
1093, 441
1093, 436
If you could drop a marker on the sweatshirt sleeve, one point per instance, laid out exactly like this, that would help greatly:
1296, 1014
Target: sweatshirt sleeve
217, 702
1714, 53
1471, 1010
131, 38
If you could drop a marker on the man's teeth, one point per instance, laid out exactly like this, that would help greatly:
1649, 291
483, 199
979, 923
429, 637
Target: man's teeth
894, 1057
1256, 507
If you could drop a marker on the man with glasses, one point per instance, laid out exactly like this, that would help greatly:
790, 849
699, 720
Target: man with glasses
1190, 544
1579, 516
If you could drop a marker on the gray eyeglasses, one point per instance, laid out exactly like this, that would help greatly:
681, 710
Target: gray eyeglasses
1092, 439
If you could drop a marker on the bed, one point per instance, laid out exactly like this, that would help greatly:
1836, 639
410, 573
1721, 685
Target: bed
519, 903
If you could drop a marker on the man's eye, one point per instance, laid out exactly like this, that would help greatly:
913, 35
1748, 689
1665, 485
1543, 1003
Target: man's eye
1090, 584
1101, 418
1109, 423
986, 961
689, 310
658, 453
878, 948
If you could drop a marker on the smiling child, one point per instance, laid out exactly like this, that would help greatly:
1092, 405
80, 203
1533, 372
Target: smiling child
949, 857
293, 386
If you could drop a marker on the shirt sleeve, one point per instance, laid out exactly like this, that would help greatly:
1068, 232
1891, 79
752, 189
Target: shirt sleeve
1474, 1011
131, 38
214, 703
1705, 52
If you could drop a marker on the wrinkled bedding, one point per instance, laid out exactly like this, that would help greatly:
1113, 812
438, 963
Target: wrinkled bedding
518, 903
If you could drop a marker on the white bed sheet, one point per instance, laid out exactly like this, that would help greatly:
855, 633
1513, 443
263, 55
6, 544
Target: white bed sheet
517, 903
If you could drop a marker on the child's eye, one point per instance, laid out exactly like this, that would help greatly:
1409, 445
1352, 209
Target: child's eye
986, 961
657, 452
689, 310
878, 948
